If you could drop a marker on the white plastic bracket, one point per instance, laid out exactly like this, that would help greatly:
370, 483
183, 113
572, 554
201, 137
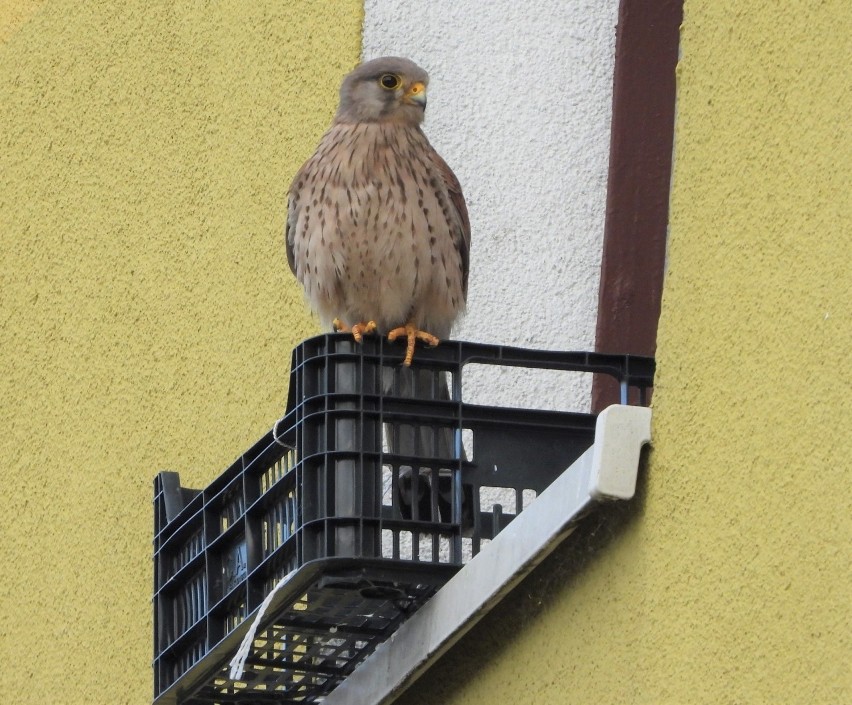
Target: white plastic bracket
620, 433
606, 471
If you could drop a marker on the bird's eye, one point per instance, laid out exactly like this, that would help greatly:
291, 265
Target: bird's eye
390, 81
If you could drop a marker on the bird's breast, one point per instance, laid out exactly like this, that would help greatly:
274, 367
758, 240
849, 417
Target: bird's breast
377, 225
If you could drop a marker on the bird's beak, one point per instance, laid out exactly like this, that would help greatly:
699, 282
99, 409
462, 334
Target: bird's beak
416, 94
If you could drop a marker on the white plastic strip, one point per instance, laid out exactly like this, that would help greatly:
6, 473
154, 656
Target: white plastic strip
238, 663
606, 470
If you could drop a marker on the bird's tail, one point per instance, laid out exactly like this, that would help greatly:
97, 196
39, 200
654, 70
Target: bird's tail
428, 449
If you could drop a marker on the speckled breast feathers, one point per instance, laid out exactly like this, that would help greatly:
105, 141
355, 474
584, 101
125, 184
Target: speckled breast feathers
377, 228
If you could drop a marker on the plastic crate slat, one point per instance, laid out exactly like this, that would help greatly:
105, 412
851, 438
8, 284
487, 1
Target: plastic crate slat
178, 578
183, 525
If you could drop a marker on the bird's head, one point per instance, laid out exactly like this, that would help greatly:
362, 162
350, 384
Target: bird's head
390, 89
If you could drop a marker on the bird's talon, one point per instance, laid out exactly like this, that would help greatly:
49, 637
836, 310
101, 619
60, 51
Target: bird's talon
428, 338
359, 330
412, 334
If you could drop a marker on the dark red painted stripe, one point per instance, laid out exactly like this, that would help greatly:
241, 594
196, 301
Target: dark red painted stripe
646, 53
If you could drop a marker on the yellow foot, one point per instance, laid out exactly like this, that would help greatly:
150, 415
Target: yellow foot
412, 334
359, 330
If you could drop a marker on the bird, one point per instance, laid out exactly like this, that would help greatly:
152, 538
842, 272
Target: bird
378, 234
377, 229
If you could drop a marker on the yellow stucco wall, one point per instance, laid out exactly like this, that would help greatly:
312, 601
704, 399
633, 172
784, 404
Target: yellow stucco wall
728, 581
148, 313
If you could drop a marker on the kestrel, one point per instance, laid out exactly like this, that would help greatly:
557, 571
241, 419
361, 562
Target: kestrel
377, 228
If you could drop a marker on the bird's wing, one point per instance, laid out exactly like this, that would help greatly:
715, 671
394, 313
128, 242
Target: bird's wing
288, 232
462, 239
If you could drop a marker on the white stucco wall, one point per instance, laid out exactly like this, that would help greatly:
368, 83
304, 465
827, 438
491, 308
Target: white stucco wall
520, 102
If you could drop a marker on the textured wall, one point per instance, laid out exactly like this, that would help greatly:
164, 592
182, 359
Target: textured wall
728, 580
520, 107
147, 311
751, 466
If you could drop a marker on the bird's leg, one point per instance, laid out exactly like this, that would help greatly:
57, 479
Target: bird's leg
412, 334
359, 330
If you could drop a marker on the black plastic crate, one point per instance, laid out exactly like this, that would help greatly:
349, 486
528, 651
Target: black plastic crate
364, 492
